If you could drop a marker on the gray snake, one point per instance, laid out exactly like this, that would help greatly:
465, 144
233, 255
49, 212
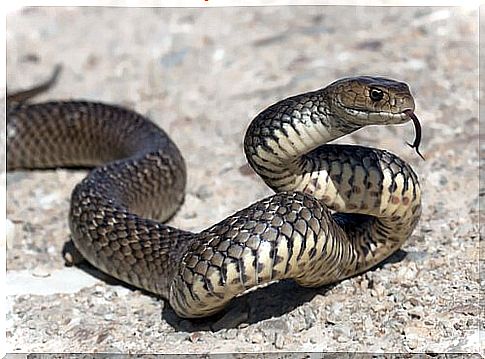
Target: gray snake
338, 209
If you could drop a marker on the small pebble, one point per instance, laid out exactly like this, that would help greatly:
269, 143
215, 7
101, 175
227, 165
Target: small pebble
257, 338
12, 233
195, 337
279, 341
342, 331
41, 272
203, 193
230, 334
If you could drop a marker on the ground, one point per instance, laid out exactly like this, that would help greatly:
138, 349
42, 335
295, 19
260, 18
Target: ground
202, 75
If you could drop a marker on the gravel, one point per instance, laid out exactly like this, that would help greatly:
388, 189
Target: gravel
202, 75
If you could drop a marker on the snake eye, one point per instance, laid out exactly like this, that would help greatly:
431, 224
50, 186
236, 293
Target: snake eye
376, 94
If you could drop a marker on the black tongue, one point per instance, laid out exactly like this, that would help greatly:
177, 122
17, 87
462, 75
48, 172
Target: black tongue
417, 128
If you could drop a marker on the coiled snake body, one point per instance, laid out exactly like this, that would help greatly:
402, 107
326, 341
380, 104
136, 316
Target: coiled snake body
292, 234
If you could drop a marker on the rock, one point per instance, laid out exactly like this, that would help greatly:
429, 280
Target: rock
12, 233
41, 272
407, 273
379, 290
368, 325
342, 331
279, 342
256, 337
333, 315
195, 337
416, 312
230, 334
412, 342
203, 193
310, 317
278, 325
415, 336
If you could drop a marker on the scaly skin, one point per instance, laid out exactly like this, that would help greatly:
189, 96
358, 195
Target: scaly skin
292, 234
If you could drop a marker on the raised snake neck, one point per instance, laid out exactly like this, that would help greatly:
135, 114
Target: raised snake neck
292, 234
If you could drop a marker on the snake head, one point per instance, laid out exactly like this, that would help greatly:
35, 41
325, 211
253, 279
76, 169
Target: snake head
367, 100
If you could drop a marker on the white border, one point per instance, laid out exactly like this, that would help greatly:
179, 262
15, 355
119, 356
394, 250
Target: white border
9, 7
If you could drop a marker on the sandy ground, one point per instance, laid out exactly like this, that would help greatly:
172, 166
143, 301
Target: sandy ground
203, 75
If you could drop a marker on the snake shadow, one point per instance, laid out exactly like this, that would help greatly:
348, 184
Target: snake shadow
258, 305
264, 303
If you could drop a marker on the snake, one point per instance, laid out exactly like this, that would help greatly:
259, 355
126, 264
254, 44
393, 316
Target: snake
338, 209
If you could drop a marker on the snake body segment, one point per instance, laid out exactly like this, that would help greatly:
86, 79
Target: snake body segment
338, 210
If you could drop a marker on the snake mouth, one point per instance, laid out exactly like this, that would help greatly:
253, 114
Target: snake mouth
365, 111
417, 128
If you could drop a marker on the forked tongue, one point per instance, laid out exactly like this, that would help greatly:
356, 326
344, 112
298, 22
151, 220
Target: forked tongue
417, 127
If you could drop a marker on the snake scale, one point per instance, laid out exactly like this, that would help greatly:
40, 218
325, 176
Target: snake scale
338, 209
